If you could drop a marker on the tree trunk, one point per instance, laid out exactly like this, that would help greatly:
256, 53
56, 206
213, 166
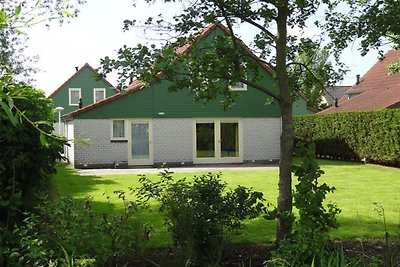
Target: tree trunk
287, 137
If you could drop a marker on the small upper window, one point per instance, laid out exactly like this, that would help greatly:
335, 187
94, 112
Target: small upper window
239, 86
99, 94
118, 129
74, 96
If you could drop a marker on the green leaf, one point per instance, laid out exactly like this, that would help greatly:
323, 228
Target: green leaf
18, 11
66, 13
13, 119
43, 140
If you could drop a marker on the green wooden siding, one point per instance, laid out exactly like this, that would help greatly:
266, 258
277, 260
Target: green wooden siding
87, 82
148, 102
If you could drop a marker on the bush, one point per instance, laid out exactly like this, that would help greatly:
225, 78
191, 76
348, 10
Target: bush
309, 237
69, 229
200, 215
27, 157
373, 135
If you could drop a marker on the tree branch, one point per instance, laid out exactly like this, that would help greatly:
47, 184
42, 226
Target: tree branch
255, 24
315, 77
261, 88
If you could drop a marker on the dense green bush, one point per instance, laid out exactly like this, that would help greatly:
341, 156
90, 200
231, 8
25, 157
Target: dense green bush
68, 228
373, 135
201, 214
28, 152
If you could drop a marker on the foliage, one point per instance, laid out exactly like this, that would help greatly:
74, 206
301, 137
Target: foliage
199, 214
352, 20
314, 74
27, 156
211, 69
372, 136
69, 231
309, 238
17, 15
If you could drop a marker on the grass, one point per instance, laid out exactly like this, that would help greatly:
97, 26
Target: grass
358, 186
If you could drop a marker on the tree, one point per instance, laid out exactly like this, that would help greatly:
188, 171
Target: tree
15, 16
28, 147
209, 71
374, 22
314, 74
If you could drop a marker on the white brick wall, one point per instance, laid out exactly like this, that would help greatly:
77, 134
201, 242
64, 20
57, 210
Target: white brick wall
172, 140
99, 149
261, 138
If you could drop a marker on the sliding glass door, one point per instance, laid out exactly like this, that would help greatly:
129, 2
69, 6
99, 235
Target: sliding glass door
217, 141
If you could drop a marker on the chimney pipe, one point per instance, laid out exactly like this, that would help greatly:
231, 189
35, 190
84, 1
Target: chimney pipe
76, 69
357, 79
80, 103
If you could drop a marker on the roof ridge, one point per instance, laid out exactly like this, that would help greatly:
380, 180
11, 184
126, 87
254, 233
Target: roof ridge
86, 65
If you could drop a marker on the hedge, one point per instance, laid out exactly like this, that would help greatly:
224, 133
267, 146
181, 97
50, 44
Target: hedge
373, 136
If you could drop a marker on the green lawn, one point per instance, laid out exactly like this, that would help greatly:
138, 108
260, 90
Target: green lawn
358, 187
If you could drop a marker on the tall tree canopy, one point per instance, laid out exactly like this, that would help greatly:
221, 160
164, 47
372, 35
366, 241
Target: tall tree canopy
374, 22
15, 17
201, 70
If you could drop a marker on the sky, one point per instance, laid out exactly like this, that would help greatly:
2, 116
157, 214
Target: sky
97, 32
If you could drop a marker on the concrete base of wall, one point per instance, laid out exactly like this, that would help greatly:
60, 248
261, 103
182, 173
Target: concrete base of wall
124, 165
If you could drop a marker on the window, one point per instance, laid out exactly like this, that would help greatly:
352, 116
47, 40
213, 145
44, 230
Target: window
74, 96
118, 129
239, 86
99, 94
217, 140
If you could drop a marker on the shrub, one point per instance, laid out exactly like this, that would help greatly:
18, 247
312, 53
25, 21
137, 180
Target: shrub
309, 237
70, 229
27, 157
373, 135
200, 214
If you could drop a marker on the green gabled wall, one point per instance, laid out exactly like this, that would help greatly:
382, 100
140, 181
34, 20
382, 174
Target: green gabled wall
85, 80
148, 102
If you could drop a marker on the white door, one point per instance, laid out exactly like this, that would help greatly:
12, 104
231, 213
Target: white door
140, 143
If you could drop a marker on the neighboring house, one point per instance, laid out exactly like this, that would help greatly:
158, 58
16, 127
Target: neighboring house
153, 126
82, 88
376, 90
334, 93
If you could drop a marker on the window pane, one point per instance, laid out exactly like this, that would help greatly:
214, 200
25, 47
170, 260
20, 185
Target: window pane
205, 141
99, 95
74, 97
239, 86
118, 129
230, 139
140, 141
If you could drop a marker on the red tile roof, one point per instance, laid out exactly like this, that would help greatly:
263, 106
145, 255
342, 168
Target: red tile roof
376, 90
76, 74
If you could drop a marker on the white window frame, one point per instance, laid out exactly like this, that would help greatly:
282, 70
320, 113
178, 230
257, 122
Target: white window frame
69, 96
95, 90
244, 88
112, 130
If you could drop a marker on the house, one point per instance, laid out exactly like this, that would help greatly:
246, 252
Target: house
81, 89
331, 94
150, 125
376, 90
